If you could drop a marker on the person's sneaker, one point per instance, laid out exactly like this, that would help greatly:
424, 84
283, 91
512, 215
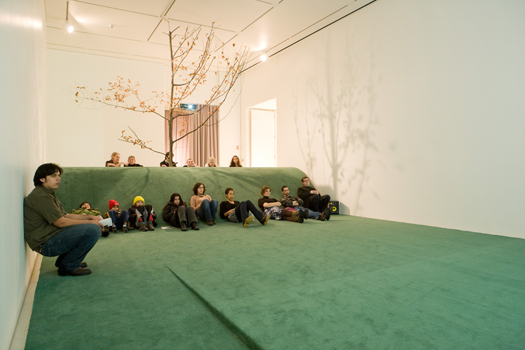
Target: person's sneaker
183, 226
323, 215
248, 221
306, 213
114, 229
265, 219
194, 226
209, 223
130, 228
142, 227
124, 229
150, 226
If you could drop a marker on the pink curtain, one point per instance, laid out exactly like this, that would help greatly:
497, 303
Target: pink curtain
199, 145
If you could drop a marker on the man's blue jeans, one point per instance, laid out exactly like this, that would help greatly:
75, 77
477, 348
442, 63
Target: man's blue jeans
124, 216
71, 244
207, 210
311, 214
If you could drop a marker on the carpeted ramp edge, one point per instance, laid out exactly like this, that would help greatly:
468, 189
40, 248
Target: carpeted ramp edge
245, 338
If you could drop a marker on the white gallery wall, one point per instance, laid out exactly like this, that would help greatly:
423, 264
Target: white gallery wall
87, 134
22, 141
409, 111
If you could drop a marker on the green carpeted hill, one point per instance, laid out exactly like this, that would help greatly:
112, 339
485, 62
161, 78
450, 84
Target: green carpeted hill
99, 185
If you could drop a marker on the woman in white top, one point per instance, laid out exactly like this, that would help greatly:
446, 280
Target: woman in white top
205, 207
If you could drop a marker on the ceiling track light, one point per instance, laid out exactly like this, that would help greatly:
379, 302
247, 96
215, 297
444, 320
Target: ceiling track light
67, 25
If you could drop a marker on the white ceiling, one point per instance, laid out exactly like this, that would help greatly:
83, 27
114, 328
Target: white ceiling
135, 29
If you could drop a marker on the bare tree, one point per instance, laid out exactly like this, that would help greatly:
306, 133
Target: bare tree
187, 74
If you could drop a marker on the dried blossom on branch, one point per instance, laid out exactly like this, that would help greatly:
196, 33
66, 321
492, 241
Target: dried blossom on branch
187, 74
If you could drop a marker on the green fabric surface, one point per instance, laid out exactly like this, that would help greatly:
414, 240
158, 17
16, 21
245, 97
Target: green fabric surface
349, 283
98, 185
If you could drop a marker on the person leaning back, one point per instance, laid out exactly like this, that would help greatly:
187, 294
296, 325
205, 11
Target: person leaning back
50, 231
313, 199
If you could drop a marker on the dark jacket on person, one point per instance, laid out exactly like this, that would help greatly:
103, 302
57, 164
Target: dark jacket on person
170, 209
287, 201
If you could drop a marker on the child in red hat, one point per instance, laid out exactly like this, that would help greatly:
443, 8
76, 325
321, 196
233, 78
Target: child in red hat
118, 216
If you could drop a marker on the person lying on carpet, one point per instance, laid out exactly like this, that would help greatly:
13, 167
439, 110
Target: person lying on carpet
272, 207
115, 161
141, 215
297, 203
85, 209
118, 217
204, 206
177, 214
234, 211
50, 231
313, 199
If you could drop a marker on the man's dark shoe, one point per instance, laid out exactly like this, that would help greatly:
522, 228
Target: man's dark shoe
323, 216
183, 226
83, 264
306, 213
329, 211
150, 226
209, 223
194, 226
78, 272
114, 229
214, 222
302, 215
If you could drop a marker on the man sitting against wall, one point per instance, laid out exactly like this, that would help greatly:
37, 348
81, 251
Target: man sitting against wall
50, 231
313, 199
297, 203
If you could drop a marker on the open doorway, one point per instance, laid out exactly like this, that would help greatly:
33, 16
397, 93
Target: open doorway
263, 141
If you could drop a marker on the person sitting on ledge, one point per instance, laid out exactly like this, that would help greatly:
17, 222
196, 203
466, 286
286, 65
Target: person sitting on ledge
211, 163
190, 164
177, 214
115, 161
297, 203
141, 215
204, 206
50, 231
132, 162
235, 162
313, 199
234, 211
165, 163
272, 207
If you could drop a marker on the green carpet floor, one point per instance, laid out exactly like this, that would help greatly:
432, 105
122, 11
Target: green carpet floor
350, 283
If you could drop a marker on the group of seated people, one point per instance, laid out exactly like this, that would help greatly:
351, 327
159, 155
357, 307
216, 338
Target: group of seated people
51, 231
115, 162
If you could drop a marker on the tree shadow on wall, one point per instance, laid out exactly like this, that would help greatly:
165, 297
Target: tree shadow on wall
337, 120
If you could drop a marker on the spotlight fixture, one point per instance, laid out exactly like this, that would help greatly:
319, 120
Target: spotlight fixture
68, 25
264, 57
